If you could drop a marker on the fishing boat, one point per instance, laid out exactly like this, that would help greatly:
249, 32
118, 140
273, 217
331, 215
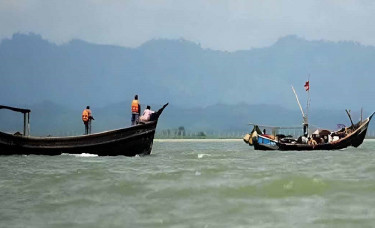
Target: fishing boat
321, 139
131, 141
324, 139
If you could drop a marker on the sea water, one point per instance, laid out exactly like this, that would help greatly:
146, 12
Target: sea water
191, 183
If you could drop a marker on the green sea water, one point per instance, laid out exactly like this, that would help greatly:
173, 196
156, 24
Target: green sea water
191, 183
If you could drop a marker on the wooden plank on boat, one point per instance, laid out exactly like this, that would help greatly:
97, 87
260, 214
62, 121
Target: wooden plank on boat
15, 109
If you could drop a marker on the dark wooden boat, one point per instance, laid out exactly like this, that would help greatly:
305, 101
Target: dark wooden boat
131, 141
345, 137
319, 140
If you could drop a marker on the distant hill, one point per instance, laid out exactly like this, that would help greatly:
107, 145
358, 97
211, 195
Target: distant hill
79, 73
206, 89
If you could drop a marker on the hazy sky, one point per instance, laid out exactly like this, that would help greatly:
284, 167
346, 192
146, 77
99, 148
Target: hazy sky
216, 24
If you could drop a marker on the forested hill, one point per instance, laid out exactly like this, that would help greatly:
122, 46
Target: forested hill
185, 74
206, 89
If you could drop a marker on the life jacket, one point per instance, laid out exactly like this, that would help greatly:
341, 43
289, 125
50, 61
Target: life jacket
85, 115
135, 108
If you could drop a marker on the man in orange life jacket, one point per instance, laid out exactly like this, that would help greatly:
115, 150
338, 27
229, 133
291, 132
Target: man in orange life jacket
136, 110
86, 118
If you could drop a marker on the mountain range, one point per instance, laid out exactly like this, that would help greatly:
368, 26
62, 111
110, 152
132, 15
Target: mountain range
207, 89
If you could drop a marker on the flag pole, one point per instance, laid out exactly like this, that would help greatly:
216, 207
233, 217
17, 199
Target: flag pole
308, 106
308, 100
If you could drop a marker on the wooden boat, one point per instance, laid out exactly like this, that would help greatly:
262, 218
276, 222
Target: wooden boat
330, 140
131, 141
319, 140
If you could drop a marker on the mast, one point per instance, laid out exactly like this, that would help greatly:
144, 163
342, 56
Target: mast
350, 117
299, 104
304, 116
308, 100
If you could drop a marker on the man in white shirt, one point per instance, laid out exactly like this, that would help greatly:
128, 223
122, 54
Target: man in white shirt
146, 114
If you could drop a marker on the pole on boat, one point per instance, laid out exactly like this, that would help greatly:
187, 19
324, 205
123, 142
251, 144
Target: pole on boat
28, 124
305, 120
350, 117
24, 124
299, 104
306, 131
308, 98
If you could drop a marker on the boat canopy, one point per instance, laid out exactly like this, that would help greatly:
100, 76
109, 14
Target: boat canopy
26, 117
15, 109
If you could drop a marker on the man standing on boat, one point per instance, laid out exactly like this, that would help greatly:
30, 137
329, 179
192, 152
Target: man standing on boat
86, 118
136, 110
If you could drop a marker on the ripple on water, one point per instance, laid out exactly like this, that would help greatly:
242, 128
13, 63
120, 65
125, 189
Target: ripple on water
212, 183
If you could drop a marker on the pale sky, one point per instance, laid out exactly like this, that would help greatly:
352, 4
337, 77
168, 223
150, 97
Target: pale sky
216, 24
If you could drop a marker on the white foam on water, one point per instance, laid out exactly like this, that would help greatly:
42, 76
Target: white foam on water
84, 155
202, 155
289, 185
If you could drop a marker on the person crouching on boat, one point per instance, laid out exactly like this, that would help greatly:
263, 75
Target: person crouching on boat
136, 110
86, 118
312, 142
146, 114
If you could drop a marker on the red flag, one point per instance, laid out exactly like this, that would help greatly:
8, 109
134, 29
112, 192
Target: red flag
307, 85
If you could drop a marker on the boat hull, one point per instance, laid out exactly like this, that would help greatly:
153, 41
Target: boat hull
136, 140
261, 146
354, 139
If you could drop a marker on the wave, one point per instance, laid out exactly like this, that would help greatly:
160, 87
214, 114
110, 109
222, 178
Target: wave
203, 155
294, 186
85, 155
